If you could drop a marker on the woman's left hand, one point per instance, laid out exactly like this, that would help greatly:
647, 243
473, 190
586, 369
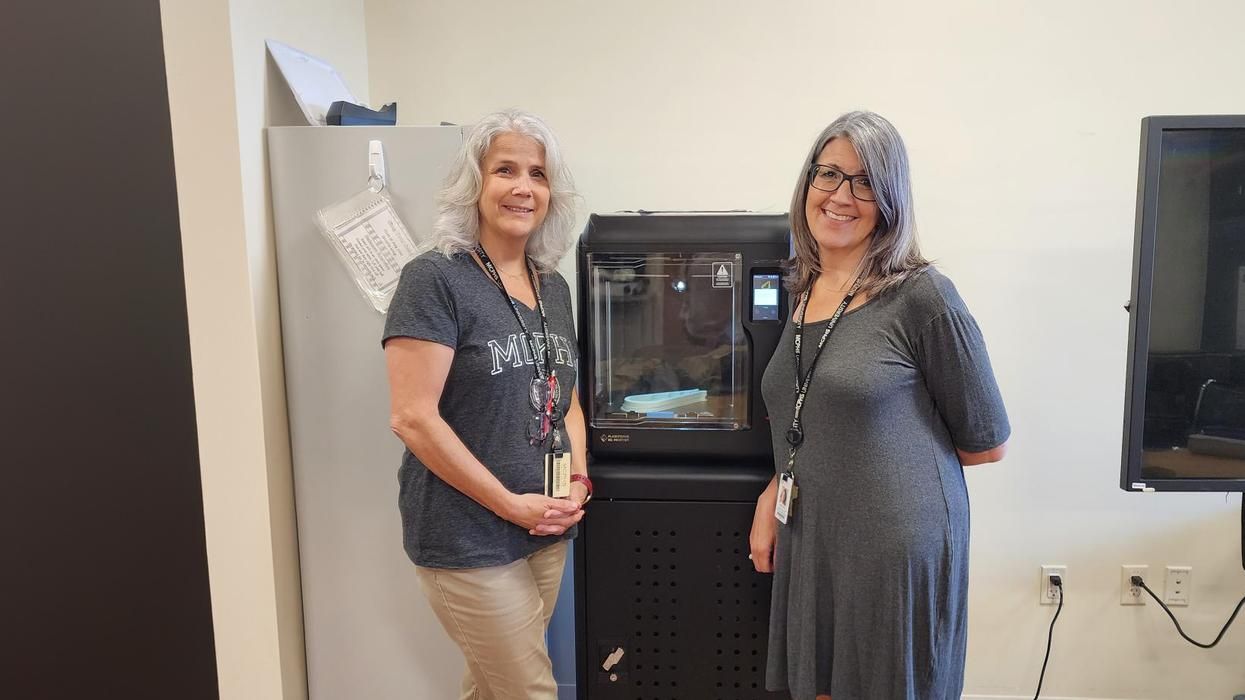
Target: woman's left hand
556, 522
764, 531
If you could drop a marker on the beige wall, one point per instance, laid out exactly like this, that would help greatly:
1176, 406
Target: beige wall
1023, 123
222, 92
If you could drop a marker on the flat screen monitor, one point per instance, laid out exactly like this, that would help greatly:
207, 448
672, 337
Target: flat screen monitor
1184, 423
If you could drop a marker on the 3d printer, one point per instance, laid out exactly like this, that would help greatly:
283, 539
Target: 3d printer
679, 315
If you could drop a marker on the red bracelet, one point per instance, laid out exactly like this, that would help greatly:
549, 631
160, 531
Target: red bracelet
583, 479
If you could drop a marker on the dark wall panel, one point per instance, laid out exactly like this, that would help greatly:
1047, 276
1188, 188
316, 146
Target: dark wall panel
103, 576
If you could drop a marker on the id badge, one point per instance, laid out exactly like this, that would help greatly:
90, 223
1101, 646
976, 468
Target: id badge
557, 475
786, 497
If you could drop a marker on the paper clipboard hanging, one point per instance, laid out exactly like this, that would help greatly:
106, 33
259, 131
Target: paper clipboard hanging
368, 235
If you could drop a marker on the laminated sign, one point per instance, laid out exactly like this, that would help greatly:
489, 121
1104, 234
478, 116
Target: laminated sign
371, 242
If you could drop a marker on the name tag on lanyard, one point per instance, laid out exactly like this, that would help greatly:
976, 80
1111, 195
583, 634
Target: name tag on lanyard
557, 475
786, 497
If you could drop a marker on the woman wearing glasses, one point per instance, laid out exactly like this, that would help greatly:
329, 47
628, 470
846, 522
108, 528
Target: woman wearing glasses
481, 355
879, 393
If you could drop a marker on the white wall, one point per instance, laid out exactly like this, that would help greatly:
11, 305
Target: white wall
1023, 121
222, 93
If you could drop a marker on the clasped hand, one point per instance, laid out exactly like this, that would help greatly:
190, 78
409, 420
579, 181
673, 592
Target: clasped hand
542, 515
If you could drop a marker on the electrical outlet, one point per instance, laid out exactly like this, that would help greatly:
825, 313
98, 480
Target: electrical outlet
1130, 594
1179, 585
1048, 594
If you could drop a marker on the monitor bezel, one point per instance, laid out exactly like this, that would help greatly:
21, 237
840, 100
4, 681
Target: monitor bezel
1152, 130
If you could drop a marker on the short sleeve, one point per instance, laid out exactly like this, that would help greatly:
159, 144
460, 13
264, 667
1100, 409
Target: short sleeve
570, 310
957, 371
422, 306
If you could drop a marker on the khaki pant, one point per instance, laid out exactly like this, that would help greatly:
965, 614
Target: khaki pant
497, 616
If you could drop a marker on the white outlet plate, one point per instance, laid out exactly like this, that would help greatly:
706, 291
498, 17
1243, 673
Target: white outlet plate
1047, 595
1179, 585
1129, 594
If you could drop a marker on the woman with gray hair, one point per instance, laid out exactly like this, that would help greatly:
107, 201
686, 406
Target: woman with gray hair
481, 354
879, 393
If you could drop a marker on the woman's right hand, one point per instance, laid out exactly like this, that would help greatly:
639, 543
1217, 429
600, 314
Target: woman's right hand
542, 515
764, 530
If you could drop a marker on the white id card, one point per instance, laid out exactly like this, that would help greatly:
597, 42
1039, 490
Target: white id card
557, 475
786, 497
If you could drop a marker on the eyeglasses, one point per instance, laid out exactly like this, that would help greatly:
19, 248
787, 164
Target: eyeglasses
545, 394
540, 425
828, 179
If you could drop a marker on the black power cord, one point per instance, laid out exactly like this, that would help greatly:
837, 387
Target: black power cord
1057, 582
1140, 583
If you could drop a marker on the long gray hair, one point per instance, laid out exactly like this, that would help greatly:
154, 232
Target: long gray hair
457, 228
893, 253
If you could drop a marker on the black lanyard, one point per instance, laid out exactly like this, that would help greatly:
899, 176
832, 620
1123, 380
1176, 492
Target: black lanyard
547, 368
545, 374
795, 434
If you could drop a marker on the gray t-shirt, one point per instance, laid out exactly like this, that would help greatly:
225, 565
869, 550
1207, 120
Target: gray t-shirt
452, 301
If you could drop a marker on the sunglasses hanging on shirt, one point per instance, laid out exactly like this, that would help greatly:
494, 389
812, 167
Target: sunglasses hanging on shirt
545, 403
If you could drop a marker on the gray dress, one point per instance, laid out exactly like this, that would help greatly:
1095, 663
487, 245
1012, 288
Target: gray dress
871, 571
